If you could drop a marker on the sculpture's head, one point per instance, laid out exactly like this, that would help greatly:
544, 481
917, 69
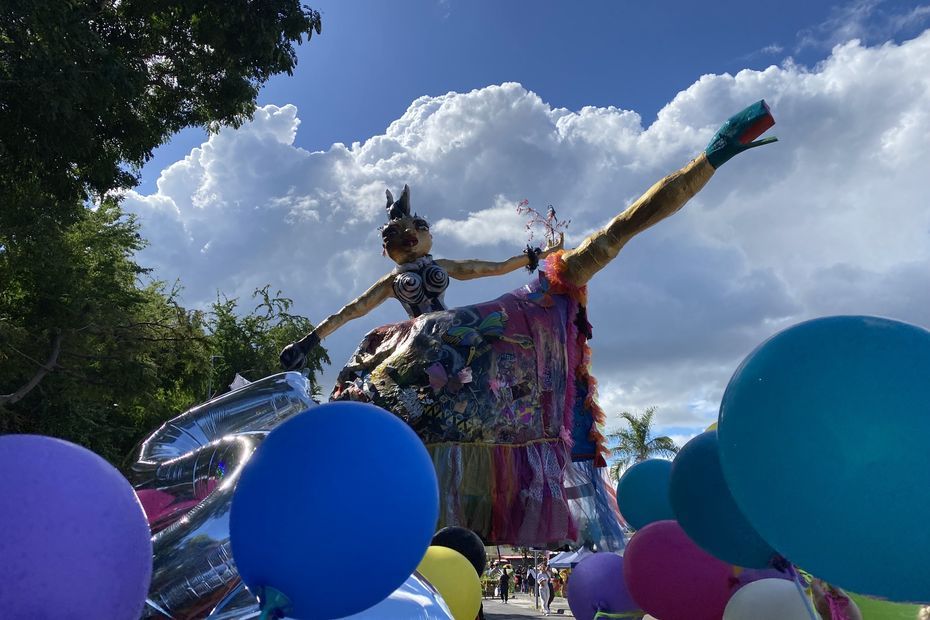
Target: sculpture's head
405, 237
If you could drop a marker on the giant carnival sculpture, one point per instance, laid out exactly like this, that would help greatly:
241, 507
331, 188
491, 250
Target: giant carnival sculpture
500, 392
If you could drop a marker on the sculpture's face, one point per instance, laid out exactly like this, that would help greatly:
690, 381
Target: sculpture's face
407, 239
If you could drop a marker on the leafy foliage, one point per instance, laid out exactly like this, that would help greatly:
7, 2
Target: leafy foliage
249, 345
636, 442
91, 348
102, 355
91, 353
88, 88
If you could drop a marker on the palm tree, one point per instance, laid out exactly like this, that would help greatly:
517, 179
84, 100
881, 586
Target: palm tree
636, 443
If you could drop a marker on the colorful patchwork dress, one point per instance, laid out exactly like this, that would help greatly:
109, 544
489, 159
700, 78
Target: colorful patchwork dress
500, 392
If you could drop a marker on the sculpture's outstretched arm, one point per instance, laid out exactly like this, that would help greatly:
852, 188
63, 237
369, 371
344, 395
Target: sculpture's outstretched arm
294, 355
668, 195
471, 269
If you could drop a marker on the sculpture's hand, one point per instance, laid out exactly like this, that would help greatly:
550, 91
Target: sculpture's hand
738, 133
555, 247
294, 355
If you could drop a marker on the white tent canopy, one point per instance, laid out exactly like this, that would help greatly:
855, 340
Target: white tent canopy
568, 559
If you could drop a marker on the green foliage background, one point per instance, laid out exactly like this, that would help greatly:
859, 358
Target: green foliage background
129, 354
93, 348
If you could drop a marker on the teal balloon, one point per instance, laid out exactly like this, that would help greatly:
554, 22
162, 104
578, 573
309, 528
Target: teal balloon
706, 510
323, 492
823, 440
642, 493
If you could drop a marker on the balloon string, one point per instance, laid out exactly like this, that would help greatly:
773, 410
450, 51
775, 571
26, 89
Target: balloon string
797, 583
274, 604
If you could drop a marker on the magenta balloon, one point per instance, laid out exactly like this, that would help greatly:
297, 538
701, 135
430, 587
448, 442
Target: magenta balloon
596, 584
74, 542
672, 578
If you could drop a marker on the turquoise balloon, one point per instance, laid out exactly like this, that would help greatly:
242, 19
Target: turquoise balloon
642, 493
705, 508
823, 440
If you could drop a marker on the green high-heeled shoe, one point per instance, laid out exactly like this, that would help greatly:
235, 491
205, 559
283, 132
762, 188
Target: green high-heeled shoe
737, 134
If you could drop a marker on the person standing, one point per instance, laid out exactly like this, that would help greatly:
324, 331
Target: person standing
554, 584
544, 583
505, 585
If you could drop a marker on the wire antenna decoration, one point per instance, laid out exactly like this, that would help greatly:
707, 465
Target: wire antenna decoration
551, 224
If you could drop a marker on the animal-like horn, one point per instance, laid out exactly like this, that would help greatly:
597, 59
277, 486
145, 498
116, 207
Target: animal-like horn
405, 199
401, 207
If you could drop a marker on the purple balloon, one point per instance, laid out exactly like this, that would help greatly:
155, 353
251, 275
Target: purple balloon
745, 576
74, 540
672, 578
597, 584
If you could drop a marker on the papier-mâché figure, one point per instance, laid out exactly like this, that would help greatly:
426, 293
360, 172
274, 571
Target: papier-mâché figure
500, 392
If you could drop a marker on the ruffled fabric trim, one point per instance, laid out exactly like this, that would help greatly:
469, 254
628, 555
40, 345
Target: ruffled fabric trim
555, 272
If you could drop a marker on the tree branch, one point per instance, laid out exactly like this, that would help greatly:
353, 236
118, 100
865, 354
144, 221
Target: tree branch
44, 369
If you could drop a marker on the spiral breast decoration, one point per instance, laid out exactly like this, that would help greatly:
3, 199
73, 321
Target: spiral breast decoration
435, 280
408, 288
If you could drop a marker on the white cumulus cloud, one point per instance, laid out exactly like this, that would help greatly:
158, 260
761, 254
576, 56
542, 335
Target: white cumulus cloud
831, 219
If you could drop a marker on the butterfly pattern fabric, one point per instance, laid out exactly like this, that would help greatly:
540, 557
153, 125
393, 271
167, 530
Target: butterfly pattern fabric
500, 394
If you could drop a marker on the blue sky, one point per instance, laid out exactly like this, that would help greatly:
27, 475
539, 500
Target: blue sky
478, 105
375, 57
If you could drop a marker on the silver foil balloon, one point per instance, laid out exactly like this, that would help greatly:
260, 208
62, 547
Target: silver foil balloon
415, 599
259, 406
193, 566
185, 474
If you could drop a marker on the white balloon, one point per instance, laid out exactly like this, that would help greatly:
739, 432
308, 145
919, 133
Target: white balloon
768, 599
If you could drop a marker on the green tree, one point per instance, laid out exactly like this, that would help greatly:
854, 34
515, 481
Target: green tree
94, 351
88, 350
91, 349
250, 344
637, 443
88, 88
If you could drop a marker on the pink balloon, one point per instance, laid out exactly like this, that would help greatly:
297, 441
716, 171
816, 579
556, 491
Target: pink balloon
672, 578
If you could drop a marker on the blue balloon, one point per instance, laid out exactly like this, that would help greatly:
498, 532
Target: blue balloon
706, 511
642, 493
325, 490
823, 441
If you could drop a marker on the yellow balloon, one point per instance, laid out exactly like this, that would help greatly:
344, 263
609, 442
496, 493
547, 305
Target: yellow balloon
455, 578
712, 427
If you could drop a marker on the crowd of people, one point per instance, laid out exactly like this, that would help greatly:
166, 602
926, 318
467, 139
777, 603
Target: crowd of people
547, 582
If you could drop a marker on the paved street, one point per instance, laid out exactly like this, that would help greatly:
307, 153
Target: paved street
521, 606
